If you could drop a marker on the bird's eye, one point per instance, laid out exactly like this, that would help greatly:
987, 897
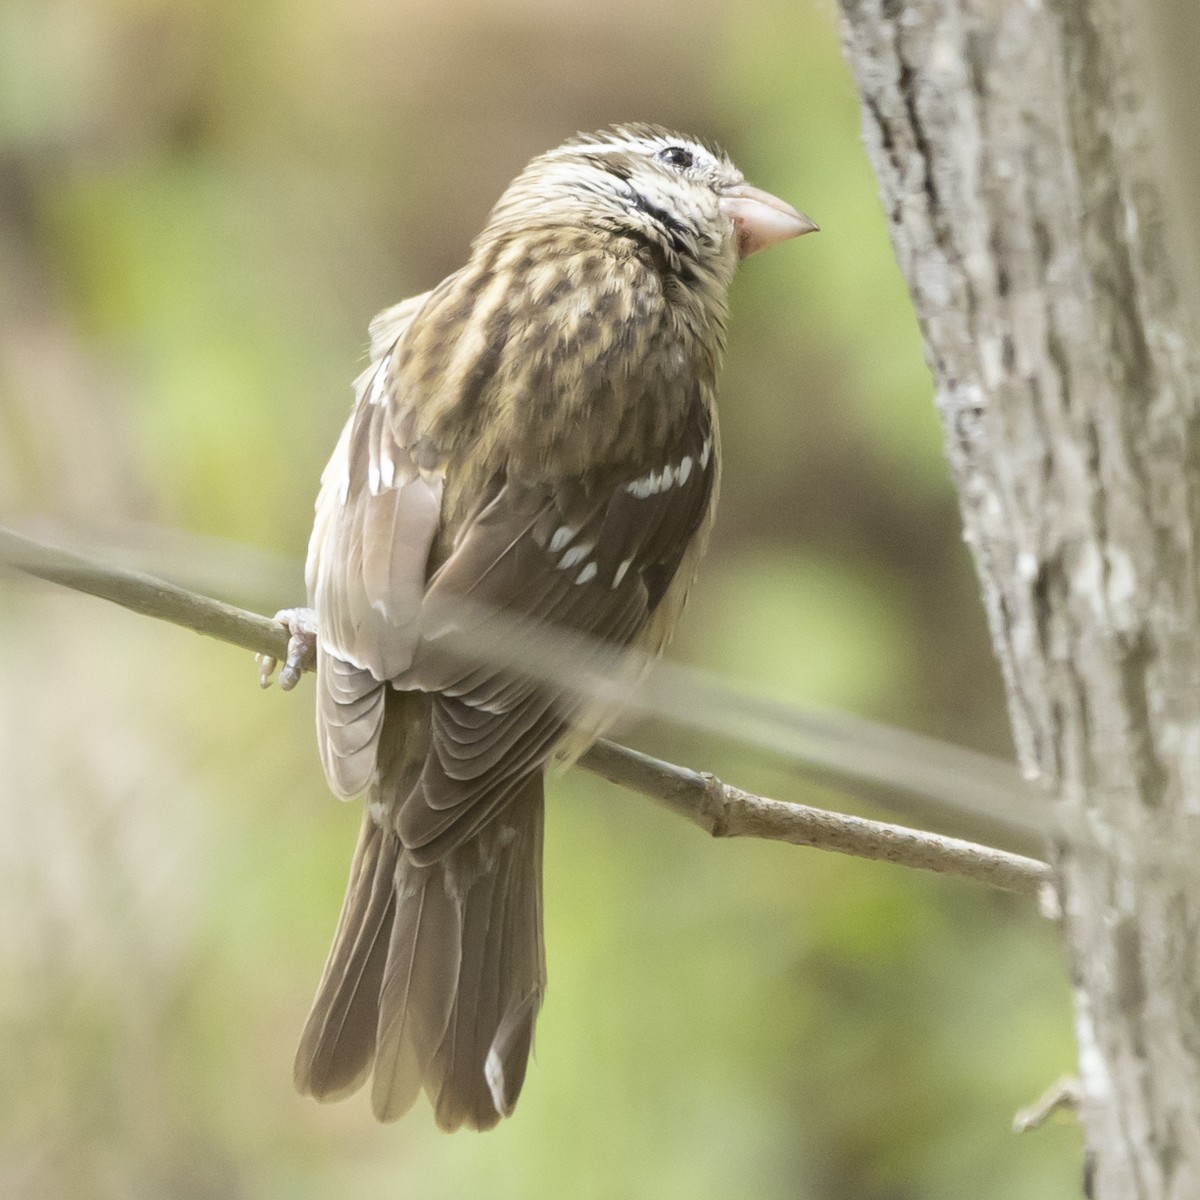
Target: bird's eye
677, 156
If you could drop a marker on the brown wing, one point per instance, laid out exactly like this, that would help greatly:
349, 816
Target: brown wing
595, 560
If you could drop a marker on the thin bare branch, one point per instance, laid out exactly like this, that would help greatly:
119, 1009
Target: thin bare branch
718, 808
726, 811
919, 779
144, 594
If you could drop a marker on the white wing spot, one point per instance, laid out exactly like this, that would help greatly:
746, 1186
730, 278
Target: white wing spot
587, 574
373, 477
562, 535
621, 572
705, 453
647, 485
669, 476
576, 554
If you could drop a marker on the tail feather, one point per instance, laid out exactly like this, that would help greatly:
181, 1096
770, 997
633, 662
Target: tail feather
508, 1057
418, 987
483, 1057
337, 1048
475, 1016
436, 974
525, 953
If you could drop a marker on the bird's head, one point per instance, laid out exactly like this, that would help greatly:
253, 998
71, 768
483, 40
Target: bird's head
682, 199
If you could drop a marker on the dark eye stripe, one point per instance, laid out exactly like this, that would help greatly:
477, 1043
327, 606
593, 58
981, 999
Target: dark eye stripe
610, 164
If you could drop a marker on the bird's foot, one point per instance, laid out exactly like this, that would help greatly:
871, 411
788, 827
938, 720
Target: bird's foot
301, 624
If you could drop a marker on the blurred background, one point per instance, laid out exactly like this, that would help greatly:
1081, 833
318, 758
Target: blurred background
201, 207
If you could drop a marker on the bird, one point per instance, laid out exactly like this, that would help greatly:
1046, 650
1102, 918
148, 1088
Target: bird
534, 439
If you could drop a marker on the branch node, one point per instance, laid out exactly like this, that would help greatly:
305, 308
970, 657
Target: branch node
714, 805
1063, 1095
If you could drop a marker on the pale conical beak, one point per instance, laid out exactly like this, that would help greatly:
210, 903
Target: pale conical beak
760, 219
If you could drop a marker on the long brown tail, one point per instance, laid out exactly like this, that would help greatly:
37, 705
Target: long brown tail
436, 974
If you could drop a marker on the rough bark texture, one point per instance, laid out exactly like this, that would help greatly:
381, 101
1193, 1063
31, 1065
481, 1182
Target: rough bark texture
1011, 139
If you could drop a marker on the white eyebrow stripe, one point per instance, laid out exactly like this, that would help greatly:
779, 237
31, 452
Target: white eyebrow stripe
578, 148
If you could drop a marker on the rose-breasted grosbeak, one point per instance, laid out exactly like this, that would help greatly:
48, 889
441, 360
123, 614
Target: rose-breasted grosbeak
536, 435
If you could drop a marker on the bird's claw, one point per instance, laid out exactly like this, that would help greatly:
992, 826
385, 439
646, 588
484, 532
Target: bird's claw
301, 624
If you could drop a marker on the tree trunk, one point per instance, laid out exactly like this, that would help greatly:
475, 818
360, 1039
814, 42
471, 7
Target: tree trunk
1012, 144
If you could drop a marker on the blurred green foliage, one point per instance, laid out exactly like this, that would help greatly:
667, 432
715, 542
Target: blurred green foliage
201, 206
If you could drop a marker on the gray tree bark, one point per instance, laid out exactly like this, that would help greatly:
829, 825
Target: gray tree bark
1012, 140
